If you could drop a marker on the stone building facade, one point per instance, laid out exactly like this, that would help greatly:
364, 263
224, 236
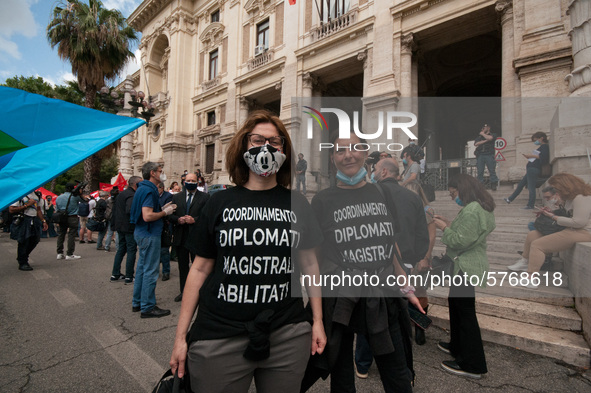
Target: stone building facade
206, 64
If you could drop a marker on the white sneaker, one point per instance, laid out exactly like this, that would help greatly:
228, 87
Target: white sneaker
520, 266
70, 257
530, 286
61, 256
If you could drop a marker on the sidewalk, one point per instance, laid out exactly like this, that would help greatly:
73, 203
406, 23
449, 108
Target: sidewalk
66, 328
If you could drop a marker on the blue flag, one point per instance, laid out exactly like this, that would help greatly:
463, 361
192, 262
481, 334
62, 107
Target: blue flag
40, 138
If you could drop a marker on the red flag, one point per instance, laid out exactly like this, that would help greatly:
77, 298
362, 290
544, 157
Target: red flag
46, 192
292, 2
105, 186
120, 182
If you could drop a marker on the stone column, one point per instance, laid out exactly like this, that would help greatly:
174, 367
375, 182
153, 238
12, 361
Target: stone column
302, 143
244, 107
407, 46
509, 88
579, 80
126, 149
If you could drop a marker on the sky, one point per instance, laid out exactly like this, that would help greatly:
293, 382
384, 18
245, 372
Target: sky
24, 49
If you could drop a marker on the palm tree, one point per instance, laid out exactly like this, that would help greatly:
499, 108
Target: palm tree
96, 42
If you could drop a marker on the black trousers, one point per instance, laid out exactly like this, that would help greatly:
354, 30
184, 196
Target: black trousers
394, 372
185, 257
466, 342
25, 248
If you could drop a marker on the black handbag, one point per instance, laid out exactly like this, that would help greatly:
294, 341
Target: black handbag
170, 383
547, 226
442, 266
61, 216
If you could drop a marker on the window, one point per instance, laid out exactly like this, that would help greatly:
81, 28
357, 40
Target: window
332, 9
263, 34
211, 118
213, 65
209, 158
215, 16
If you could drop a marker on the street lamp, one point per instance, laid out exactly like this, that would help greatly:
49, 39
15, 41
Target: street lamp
114, 103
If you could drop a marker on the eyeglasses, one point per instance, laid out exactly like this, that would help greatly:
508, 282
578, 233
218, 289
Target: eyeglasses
259, 140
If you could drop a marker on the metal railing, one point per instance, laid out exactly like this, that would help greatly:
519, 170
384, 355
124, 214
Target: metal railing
438, 173
334, 25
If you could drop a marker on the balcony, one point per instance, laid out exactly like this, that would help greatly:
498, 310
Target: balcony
335, 25
260, 60
210, 84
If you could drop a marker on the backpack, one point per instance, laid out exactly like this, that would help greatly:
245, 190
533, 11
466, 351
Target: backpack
109, 211
83, 209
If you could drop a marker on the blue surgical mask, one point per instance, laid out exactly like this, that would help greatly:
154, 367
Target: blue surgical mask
373, 178
190, 186
404, 161
537, 143
351, 181
412, 143
459, 201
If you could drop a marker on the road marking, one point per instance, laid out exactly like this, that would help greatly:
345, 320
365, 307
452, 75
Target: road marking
40, 274
145, 370
66, 298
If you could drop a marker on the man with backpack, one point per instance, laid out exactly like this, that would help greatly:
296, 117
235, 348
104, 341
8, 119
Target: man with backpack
68, 204
83, 215
100, 215
109, 218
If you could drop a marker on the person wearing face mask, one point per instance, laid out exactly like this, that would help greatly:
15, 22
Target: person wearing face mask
147, 214
249, 240
189, 203
378, 313
535, 161
485, 155
465, 239
412, 171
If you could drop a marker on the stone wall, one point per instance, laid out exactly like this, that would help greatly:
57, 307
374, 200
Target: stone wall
578, 269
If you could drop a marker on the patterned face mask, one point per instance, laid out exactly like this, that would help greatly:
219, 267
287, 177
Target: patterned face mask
264, 160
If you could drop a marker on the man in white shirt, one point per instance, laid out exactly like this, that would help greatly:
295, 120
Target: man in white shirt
27, 224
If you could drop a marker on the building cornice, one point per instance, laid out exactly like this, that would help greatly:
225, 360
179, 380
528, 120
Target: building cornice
145, 13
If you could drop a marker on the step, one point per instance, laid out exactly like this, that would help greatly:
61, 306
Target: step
559, 296
566, 346
541, 314
505, 258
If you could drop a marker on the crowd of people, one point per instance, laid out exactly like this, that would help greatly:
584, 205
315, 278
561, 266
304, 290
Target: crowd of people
242, 318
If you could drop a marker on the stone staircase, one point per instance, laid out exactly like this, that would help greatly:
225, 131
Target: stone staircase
541, 321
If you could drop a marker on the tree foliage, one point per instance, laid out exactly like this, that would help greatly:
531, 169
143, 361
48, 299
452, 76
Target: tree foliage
96, 42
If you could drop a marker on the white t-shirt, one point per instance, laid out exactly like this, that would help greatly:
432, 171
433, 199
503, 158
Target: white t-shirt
91, 206
30, 211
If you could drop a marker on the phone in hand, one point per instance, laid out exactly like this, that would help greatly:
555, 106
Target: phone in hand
420, 319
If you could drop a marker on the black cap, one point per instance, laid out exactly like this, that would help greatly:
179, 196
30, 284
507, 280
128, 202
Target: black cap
373, 158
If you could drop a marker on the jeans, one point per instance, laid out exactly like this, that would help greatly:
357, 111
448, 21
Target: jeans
489, 161
50, 229
146, 275
127, 245
530, 179
109, 232
301, 178
165, 259
363, 356
71, 229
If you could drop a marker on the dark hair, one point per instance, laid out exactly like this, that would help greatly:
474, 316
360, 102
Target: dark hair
235, 164
70, 186
540, 134
471, 190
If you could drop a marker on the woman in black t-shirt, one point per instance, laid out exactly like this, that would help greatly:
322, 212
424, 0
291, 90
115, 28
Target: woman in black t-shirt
249, 240
359, 242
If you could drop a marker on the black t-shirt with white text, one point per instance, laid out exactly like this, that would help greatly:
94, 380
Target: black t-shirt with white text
357, 228
251, 236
